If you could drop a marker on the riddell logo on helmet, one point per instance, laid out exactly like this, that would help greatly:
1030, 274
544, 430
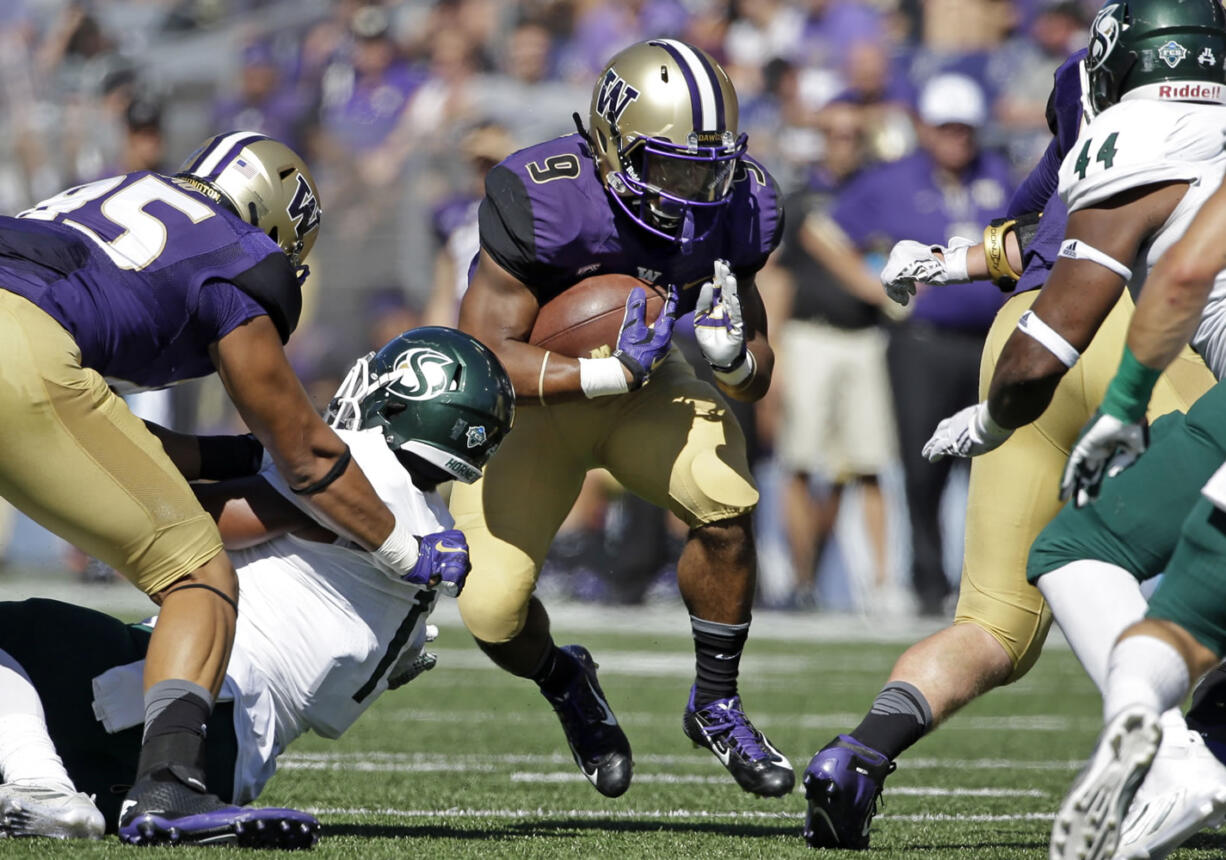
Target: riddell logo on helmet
1191, 92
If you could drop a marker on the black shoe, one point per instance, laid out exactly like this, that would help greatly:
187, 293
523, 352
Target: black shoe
843, 786
166, 809
596, 740
723, 728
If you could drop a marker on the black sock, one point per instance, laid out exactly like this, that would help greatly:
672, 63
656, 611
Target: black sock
900, 716
174, 740
717, 648
554, 672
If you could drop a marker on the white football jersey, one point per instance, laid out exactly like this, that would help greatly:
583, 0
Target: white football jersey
321, 629
1141, 142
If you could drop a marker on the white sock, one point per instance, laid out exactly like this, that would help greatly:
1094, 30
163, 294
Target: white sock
1144, 671
1093, 602
26, 751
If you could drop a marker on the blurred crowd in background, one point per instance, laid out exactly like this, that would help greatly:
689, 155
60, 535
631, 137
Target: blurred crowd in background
881, 120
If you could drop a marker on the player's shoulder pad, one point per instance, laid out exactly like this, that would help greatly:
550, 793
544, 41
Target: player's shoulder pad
273, 283
1064, 104
756, 192
538, 203
1140, 142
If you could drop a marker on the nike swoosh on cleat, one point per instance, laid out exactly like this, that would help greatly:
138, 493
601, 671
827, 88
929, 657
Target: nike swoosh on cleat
123, 810
609, 719
722, 753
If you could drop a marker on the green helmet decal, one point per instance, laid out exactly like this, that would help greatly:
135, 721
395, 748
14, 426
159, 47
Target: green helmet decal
433, 392
1162, 49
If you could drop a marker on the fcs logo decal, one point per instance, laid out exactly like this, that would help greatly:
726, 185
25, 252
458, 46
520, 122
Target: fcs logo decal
476, 436
421, 374
1172, 53
614, 97
1104, 33
304, 209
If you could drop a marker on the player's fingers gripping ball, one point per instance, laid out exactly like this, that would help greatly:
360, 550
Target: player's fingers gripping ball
442, 562
640, 347
718, 323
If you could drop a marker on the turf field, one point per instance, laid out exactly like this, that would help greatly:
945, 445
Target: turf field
469, 762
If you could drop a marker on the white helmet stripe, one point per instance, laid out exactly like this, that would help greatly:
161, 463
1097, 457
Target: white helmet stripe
707, 95
220, 148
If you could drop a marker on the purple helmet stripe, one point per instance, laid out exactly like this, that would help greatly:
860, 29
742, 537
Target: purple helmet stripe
690, 81
235, 148
719, 93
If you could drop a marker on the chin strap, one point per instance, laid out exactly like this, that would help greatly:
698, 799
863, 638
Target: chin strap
686, 236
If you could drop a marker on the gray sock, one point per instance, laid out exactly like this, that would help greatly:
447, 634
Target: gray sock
162, 694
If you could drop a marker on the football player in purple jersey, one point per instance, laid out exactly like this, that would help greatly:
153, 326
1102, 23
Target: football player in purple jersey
657, 186
140, 281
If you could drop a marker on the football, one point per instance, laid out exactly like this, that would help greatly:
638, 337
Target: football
584, 320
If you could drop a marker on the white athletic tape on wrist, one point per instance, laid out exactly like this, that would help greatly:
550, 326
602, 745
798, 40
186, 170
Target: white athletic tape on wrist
599, 377
740, 375
399, 551
955, 260
1075, 249
1046, 335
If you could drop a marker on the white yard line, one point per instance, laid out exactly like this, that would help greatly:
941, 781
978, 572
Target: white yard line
648, 814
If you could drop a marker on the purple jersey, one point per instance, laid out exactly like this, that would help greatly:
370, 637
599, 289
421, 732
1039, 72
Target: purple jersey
145, 273
546, 218
1037, 192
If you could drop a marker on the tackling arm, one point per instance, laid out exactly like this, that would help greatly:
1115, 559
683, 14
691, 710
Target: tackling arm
252, 365
1076, 299
249, 511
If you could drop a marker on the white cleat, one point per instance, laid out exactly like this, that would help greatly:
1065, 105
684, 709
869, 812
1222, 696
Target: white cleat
1184, 793
1088, 824
48, 809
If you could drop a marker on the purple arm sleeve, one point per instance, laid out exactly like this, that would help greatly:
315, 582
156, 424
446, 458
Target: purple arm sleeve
1037, 188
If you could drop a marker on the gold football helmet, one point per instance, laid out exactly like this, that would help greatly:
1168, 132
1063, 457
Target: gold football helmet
664, 132
264, 182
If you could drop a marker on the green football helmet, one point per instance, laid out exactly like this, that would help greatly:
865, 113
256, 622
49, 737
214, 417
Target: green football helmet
1158, 49
438, 395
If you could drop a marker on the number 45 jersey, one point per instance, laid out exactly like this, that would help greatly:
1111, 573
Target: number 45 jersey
145, 272
1147, 142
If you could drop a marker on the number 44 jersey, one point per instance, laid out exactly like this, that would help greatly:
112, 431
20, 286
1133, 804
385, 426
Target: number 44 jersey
145, 272
1147, 142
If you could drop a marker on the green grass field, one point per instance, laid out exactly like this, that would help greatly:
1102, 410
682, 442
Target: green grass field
469, 762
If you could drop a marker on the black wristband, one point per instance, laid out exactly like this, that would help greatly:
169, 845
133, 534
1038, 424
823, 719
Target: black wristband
223, 457
637, 371
338, 469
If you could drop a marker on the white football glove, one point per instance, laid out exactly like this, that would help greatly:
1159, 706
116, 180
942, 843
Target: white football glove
912, 262
967, 433
718, 324
1107, 446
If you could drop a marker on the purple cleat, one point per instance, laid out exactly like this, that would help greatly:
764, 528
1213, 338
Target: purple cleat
843, 783
754, 763
163, 810
596, 740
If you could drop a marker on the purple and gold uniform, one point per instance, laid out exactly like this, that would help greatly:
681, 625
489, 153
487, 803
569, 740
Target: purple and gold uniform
126, 281
1001, 526
547, 220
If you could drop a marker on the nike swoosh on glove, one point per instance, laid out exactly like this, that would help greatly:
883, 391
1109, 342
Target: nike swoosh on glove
442, 562
640, 346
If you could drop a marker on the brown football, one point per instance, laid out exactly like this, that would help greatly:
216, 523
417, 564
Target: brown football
584, 320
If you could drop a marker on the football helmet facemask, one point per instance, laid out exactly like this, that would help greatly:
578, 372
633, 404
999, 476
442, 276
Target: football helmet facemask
437, 394
264, 182
1142, 48
663, 129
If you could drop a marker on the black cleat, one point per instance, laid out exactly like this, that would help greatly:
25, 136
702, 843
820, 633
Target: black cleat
596, 740
163, 809
843, 787
754, 763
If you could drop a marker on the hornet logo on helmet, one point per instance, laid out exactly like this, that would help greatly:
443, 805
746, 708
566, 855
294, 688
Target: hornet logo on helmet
420, 374
476, 436
304, 209
1104, 33
614, 97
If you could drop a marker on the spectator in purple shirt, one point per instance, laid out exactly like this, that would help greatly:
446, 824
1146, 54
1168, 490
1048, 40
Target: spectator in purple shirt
948, 187
262, 100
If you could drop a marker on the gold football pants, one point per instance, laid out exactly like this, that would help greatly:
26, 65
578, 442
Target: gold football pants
1014, 489
673, 442
75, 459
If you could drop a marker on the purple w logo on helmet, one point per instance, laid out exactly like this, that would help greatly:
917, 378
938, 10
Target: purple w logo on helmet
304, 209
614, 97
